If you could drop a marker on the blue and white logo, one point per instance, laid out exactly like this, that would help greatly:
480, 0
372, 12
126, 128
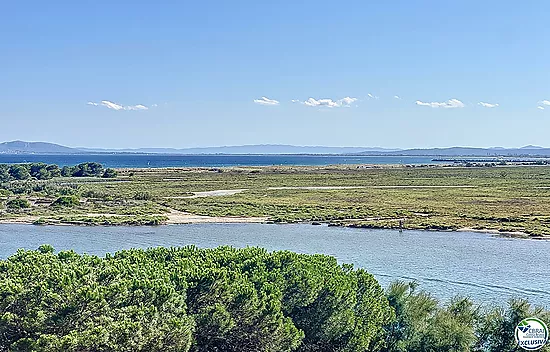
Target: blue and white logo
531, 334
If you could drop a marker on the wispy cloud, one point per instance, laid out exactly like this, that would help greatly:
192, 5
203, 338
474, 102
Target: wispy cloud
266, 101
397, 97
329, 103
449, 104
543, 104
114, 106
372, 96
487, 105
111, 105
136, 107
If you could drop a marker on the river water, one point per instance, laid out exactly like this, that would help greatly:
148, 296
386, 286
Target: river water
487, 269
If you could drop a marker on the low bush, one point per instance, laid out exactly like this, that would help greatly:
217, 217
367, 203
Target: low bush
66, 201
109, 173
18, 203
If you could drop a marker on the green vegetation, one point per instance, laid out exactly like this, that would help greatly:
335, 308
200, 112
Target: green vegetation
18, 203
109, 173
111, 220
226, 299
499, 198
423, 324
42, 171
66, 201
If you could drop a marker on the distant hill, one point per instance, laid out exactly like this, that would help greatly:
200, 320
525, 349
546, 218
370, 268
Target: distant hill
252, 149
470, 151
20, 147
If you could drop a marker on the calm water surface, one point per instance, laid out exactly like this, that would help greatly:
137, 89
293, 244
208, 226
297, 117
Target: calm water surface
486, 268
152, 160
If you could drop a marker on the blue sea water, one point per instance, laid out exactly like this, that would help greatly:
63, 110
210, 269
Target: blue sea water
485, 268
163, 160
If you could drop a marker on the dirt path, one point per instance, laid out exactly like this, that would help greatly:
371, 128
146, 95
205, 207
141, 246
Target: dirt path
29, 219
216, 193
365, 187
230, 192
180, 217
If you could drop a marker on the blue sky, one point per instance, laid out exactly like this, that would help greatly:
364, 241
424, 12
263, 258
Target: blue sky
187, 74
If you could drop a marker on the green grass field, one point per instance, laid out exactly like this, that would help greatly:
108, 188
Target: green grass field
513, 199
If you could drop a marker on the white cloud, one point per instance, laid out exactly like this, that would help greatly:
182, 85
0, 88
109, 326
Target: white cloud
372, 96
346, 101
111, 105
136, 107
114, 106
397, 97
545, 102
487, 105
326, 102
266, 101
449, 104
540, 107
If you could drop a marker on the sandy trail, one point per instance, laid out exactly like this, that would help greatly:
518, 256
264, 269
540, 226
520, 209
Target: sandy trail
365, 187
29, 219
216, 193
230, 192
180, 217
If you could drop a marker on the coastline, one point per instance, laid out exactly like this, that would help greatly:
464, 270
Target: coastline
180, 218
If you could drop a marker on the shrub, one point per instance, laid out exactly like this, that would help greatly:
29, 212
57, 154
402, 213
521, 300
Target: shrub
67, 171
4, 173
98, 194
109, 173
19, 172
143, 196
87, 170
18, 203
66, 201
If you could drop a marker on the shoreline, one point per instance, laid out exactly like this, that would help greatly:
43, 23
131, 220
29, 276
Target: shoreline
192, 219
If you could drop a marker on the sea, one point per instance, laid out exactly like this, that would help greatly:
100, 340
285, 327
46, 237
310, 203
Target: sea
164, 160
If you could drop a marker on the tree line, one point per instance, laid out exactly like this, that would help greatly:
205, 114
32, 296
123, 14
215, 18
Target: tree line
42, 171
227, 299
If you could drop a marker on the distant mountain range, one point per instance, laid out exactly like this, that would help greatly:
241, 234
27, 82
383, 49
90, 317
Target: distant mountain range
20, 147
252, 149
469, 151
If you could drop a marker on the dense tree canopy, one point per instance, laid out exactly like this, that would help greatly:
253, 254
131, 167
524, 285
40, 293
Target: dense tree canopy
188, 299
227, 299
42, 171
